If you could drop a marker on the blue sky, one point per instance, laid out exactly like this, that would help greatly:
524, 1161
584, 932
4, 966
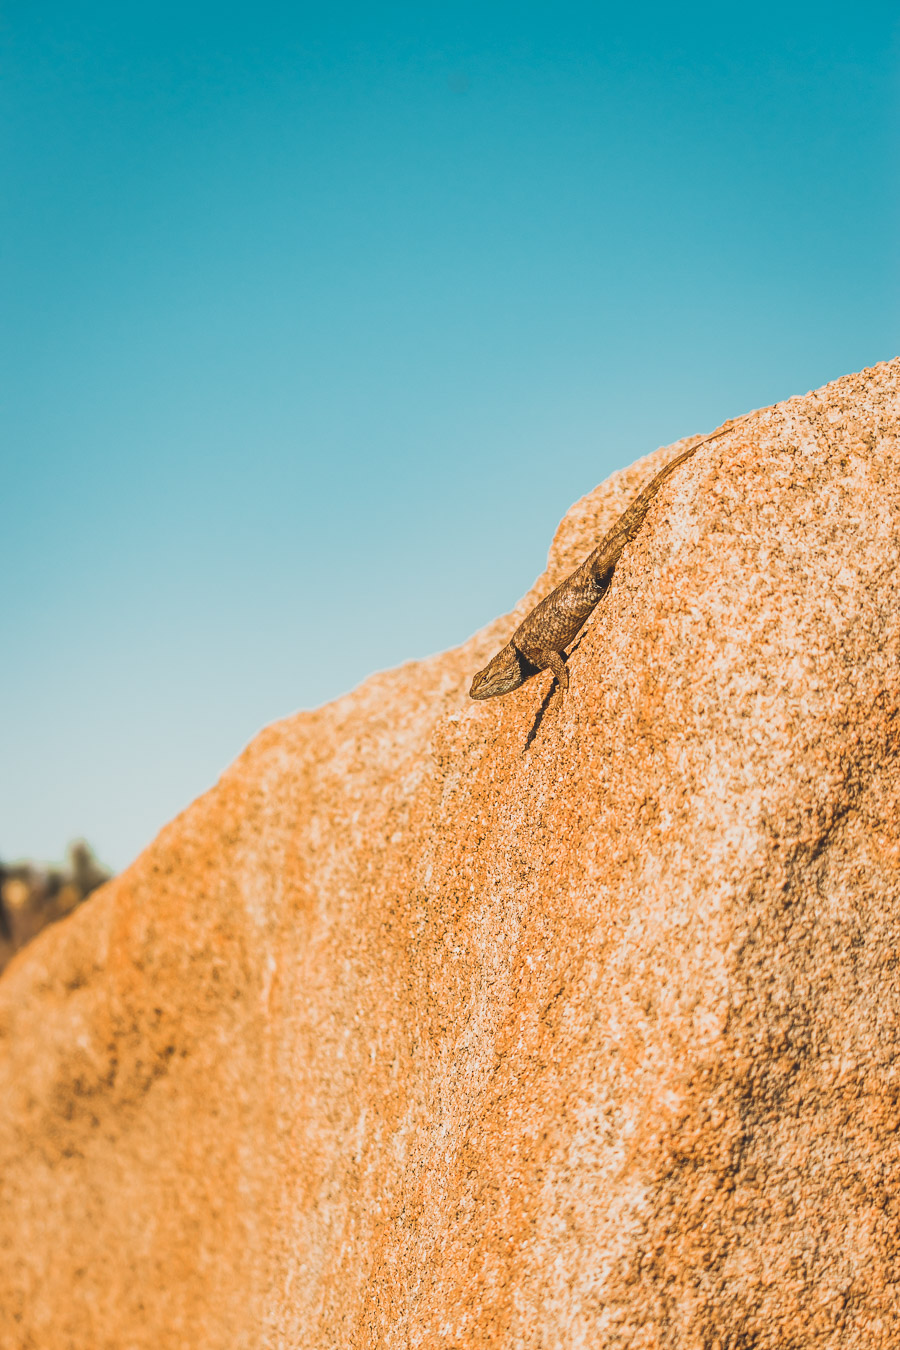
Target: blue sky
316, 319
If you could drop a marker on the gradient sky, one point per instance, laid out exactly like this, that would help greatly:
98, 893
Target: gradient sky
316, 319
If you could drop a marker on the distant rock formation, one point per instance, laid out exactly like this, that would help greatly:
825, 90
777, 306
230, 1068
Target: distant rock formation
31, 896
406, 1036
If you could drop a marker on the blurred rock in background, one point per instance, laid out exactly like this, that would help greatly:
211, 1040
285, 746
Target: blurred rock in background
31, 895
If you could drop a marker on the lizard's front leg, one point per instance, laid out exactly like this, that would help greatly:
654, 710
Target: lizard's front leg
546, 658
557, 663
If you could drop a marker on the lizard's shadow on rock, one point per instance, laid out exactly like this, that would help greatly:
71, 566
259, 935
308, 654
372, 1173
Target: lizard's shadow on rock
546, 703
554, 695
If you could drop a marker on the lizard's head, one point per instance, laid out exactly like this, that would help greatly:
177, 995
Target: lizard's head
506, 671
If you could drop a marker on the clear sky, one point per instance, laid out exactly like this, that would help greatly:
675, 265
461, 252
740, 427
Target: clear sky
316, 319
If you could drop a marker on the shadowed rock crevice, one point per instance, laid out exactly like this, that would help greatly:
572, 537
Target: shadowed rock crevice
401, 1037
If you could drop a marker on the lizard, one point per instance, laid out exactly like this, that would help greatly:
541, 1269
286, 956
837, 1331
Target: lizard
541, 638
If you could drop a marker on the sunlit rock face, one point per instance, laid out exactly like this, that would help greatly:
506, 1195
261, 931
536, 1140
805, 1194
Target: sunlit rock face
407, 1035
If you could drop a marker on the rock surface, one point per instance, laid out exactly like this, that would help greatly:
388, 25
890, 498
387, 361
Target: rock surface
405, 1035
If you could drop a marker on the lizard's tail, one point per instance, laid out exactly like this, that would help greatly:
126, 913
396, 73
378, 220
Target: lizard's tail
602, 561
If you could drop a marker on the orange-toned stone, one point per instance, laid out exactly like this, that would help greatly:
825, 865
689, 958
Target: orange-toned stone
407, 1036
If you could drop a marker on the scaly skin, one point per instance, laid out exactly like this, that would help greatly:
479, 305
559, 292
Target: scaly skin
541, 638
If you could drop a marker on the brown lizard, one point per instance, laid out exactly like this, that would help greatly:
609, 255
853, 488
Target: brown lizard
541, 638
